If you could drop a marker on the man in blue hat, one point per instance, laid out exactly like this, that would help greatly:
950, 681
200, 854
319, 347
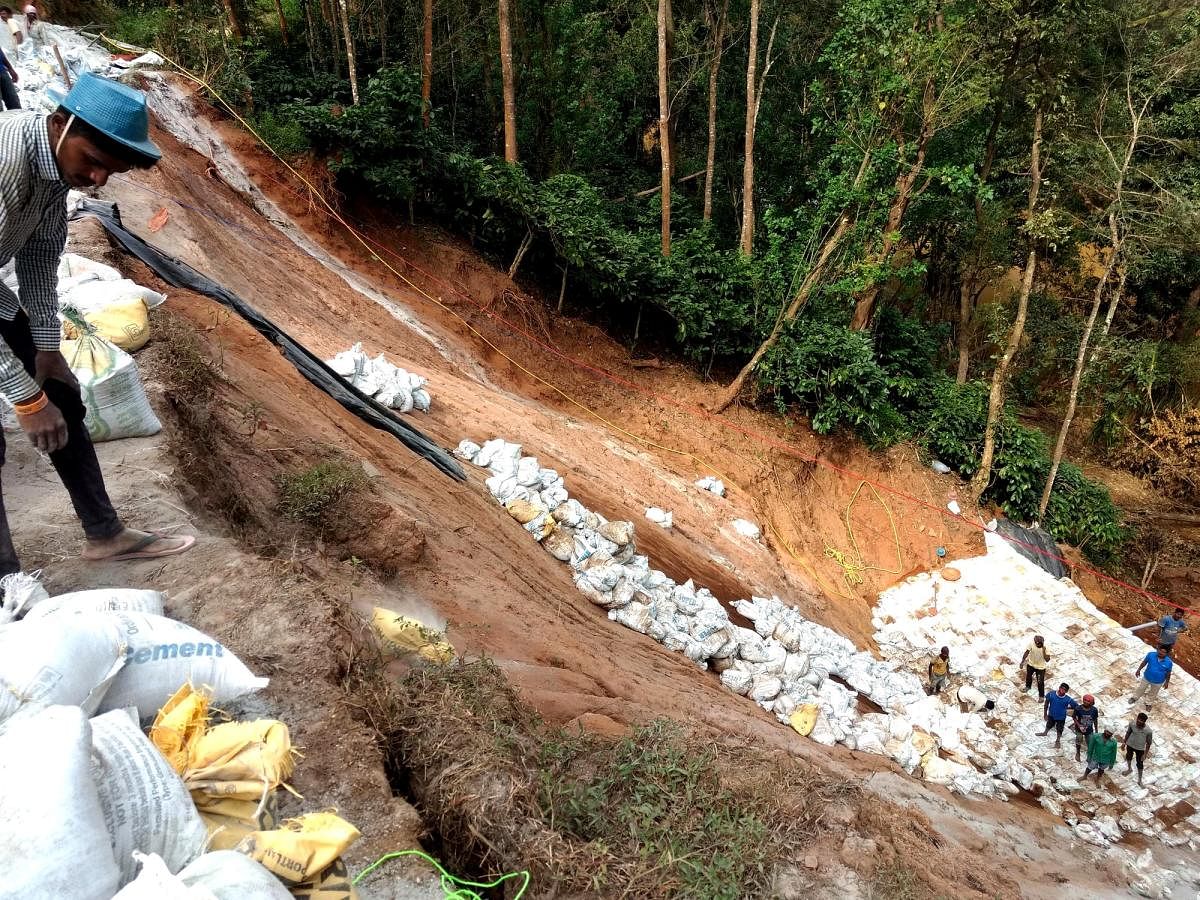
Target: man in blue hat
101, 128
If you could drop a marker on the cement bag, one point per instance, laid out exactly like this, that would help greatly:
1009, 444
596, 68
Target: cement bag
233, 876
401, 636
74, 269
305, 854
21, 591
99, 601
92, 295
108, 378
157, 883
163, 654
70, 661
125, 324
54, 843
145, 804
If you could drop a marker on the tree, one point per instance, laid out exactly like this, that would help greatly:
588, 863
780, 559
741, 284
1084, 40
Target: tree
427, 62
714, 68
510, 94
664, 118
351, 58
1037, 165
283, 32
235, 23
754, 87
1119, 162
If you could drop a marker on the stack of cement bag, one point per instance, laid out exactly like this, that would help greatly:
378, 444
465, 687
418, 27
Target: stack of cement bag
392, 386
784, 663
92, 807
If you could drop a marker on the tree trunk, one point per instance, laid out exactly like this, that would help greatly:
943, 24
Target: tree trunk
351, 58
510, 94
235, 24
283, 34
966, 307
713, 70
747, 240
311, 36
1080, 365
664, 120
383, 34
1112, 309
788, 313
427, 64
983, 474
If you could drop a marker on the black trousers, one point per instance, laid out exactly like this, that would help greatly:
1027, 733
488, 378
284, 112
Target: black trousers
76, 463
1040, 675
1130, 754
8, 90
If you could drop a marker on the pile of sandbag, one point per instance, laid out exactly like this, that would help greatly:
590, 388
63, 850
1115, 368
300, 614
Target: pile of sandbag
392, 386
93, 807
805, 674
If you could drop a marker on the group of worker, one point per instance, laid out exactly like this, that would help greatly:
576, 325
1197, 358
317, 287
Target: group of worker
1153, 675
24, 33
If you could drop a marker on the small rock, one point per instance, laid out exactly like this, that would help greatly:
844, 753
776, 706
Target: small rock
810, 863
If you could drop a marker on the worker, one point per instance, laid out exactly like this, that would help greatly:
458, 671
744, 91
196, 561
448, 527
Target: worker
1086, 717
1102, 754
101, 128
1055, 707
939, 671
973, 700
1157, 666
1139, 737
1169, 629
33, 31
8, 49
1034, 660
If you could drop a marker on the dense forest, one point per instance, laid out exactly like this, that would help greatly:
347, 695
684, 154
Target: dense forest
972, 224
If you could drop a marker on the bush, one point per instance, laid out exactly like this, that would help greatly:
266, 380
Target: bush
314, 496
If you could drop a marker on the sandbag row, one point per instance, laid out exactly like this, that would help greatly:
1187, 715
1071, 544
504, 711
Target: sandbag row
807, 675
392, 386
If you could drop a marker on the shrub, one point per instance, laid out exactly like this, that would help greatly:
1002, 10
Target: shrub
314, 495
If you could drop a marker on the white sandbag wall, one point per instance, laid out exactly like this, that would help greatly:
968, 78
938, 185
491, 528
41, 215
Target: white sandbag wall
987, 617
784, 662
787, 661
392, 386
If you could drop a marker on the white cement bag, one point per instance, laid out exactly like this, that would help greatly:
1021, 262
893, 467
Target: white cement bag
157, 883
91, 295
145, 803
164, 654
47, 662
21, 591
229, 875
108, 379
100, 601
52, 836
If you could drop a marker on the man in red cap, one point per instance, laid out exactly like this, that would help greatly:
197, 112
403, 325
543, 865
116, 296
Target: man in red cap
1087, 718
101, 128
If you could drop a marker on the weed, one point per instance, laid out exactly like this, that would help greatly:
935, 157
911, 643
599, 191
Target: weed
314, 495
895, 882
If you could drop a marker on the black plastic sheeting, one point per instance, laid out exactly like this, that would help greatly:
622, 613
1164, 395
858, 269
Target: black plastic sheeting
1033, 544
179, 274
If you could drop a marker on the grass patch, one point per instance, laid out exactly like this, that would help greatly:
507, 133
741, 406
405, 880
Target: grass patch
314, 495
896, 882
661, 813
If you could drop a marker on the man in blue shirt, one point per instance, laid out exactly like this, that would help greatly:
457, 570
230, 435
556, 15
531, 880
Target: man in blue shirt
1169, 628
1055, 708
1157, 678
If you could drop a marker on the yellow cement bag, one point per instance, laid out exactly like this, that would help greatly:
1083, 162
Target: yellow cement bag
332, 884
300, 850
401, 636
231, 770
125, 323
804, 719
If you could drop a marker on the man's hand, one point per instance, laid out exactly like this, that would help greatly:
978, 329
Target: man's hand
47, 428
12, 73
52, 364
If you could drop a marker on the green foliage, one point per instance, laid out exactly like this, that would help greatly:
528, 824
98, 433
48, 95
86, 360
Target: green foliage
658, 800
283, 135
314, 496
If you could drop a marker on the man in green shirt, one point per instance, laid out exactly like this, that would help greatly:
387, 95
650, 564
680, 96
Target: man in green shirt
1102, 753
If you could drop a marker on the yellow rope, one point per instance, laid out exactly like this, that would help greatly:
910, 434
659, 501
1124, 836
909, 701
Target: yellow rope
891, 521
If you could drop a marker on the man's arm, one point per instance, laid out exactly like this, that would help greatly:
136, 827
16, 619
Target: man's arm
1024, 656
1139, 669
37, 274
1167, 680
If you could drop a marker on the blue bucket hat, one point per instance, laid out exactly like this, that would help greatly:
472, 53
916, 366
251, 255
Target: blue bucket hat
114, 109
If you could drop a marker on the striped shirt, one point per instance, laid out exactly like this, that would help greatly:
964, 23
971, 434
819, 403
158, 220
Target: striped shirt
33, 229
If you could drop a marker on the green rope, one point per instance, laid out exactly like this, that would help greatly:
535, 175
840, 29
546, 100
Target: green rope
450, 883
